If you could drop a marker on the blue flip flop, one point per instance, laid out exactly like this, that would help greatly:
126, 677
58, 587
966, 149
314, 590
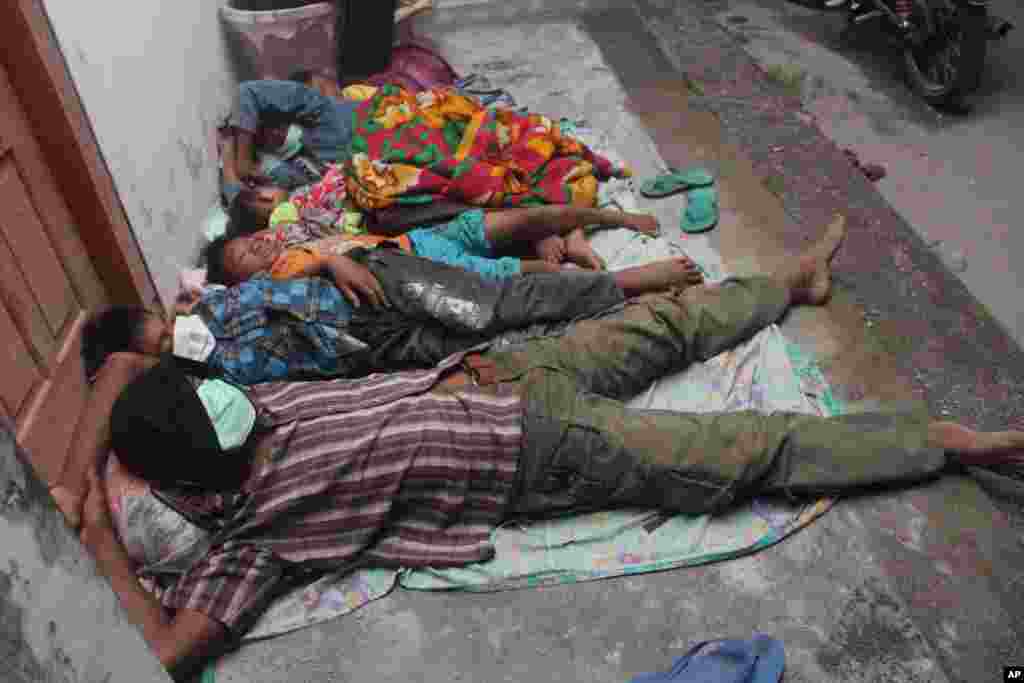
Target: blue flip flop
701, 213
761, 659
675, 181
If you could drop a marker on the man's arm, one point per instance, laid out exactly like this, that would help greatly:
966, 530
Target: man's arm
238, 157
92, 435
179, 642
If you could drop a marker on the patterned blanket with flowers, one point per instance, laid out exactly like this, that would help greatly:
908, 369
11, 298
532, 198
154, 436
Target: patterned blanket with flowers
416, 149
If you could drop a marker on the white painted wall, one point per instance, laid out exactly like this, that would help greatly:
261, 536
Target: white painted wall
155, 79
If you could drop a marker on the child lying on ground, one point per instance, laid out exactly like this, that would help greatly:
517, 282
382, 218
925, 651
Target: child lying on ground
474, 241
418, 311
486, 243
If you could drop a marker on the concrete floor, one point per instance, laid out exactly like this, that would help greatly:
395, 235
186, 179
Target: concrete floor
916, 586
955, 179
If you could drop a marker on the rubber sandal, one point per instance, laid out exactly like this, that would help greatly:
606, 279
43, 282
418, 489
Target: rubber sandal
701, 212
675, 181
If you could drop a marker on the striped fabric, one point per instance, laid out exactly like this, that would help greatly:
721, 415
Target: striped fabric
380, 471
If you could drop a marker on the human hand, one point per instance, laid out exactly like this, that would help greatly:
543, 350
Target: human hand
355, 280
551, 249
185, 301
96, 519
69, 503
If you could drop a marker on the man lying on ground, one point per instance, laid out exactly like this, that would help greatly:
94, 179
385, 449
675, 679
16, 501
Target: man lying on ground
415, 313
488, 244
418, 468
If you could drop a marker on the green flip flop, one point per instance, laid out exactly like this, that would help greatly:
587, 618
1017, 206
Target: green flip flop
701, 212
675, 181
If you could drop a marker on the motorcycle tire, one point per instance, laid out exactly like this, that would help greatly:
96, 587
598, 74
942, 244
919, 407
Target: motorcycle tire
965, 52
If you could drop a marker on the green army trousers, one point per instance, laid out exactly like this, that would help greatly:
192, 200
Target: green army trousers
583, 448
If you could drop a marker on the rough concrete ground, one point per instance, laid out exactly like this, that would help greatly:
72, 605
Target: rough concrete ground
916, 586
955, 179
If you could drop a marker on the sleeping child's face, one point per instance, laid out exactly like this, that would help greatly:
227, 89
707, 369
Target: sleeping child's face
262, 201
156, 336
246, 256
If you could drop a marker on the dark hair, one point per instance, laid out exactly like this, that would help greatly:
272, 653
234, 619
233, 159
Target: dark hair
161, 432
243, 218
304, 76
213, 259
110, 331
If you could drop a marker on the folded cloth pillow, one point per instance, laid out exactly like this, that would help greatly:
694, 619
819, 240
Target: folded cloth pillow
153, 533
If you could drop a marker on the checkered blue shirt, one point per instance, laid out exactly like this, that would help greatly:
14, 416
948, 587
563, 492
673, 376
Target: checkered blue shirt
270, 330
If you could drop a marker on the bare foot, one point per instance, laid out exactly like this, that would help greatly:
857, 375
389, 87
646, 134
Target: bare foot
551, 249
971, 447
810, 280
642, 222
659, 276
579, 251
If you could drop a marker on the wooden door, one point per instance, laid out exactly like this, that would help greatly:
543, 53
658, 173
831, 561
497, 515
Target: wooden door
47, 286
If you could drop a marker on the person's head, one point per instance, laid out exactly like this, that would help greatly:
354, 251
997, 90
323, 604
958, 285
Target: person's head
251, 209
124, 328
230, 260
170, 432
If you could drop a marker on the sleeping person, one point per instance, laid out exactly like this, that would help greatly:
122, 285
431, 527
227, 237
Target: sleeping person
266, 108
417, 469
375, 311
493, 243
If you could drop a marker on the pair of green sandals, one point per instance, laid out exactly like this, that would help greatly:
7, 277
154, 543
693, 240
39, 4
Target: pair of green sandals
701, 212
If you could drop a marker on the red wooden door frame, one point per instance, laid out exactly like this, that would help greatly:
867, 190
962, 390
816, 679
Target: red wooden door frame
40, 77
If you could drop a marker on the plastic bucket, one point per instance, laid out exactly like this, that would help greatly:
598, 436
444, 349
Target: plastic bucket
276, 43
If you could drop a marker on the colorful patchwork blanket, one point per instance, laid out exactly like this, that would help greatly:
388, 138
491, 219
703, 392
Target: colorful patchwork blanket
438, 144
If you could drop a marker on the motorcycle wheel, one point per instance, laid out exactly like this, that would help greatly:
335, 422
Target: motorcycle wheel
948, 64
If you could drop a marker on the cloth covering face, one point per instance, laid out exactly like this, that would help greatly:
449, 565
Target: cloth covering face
232, 414
192, 338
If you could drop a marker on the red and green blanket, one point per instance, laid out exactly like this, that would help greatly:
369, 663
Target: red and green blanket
416, 149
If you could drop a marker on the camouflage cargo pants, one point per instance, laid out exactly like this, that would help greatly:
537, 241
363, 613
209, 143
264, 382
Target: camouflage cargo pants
585, 449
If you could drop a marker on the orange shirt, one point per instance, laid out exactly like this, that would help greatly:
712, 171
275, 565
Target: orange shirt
307, 259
